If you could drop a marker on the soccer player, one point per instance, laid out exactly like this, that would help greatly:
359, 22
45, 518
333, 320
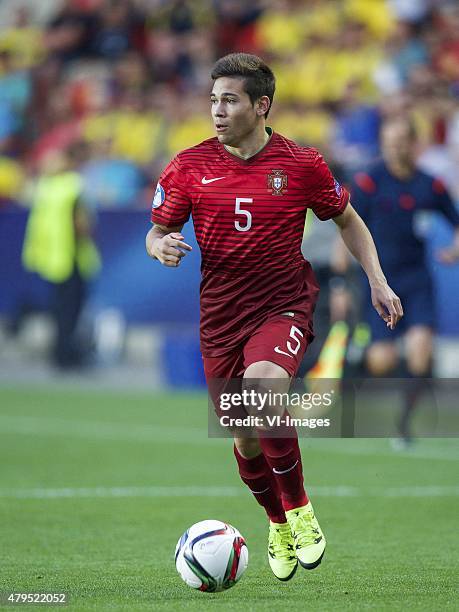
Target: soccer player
389, 198
248, 190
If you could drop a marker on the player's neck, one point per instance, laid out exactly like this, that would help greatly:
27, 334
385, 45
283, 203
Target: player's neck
252, 144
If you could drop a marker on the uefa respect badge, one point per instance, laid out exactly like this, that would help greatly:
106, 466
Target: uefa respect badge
337, 188
159, 197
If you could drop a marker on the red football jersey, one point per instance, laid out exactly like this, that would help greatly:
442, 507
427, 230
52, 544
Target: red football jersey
249, 219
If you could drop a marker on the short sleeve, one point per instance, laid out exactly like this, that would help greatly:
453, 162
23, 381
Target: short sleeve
171, 204
326, 197
362, 188
443, 202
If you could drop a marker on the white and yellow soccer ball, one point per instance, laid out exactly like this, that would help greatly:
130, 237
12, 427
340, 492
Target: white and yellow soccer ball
211, 556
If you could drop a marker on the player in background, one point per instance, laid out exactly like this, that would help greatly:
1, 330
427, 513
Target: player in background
390, 197
248, 190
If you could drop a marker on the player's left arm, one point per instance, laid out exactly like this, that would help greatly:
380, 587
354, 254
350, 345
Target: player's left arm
359, 241
444, 204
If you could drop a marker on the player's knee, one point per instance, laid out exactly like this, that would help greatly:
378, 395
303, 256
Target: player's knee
420, 363
381, 359
264, 380
266, 369
248, 447
419, 348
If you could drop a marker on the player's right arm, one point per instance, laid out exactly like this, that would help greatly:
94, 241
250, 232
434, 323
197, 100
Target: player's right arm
166, 244
170, 211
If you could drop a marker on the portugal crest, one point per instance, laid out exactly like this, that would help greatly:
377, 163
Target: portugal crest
277, 181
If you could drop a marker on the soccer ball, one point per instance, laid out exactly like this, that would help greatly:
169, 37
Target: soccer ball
211, 556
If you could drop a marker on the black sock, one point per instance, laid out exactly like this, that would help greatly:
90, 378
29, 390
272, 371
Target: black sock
416, 387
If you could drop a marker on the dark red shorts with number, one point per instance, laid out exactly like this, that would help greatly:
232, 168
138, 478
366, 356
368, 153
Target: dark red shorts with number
278, 340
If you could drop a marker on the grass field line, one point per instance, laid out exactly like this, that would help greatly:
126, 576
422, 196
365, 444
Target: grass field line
210, 491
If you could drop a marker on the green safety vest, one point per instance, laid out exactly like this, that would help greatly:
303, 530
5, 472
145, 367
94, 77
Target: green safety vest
50, 247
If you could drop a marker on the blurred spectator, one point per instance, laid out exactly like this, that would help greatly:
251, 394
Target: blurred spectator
12, 178
15, 86
446, 49
118, 31
132, 128
15, 92
407, 50
181, 135
23, 40
59, 248
412, 11
130, 75
9, 126
236, 26
181, 19
71, 32
431, 105
307, 126
60, 127
356, 130
111, 182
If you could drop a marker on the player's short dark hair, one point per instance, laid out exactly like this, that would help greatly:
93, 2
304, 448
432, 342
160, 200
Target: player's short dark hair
259, 79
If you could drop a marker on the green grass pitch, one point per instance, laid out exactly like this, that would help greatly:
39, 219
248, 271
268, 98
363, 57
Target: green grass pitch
96, 488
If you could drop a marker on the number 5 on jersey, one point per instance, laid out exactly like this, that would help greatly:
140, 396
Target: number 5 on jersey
297, 335
246, 213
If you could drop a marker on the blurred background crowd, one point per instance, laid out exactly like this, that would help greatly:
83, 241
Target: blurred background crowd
126, 82
119, 86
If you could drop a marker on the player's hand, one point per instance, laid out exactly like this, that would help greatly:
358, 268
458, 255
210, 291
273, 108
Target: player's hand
387, 304
170, 249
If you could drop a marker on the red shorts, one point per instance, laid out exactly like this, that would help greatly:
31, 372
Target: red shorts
278, 340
